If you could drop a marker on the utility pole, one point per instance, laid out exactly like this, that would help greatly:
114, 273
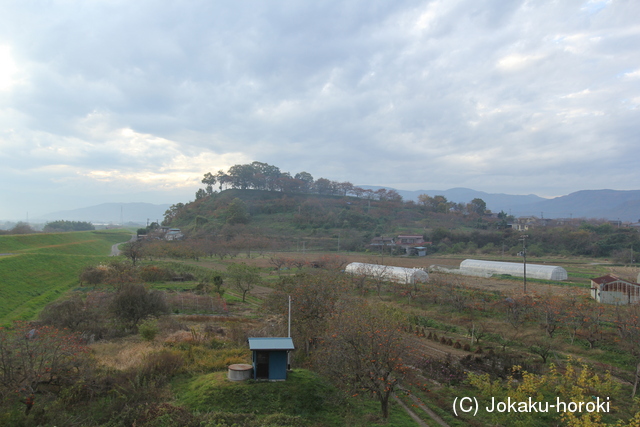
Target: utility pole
289, 328
289, 335
524, 257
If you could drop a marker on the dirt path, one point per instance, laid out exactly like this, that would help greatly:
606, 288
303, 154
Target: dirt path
412, 414
114, 248
429, 412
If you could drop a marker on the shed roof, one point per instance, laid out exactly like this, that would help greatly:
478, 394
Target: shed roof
277, 343
608, 278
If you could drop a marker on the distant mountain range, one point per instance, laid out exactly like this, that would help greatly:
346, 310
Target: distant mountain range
608, 204
115, 213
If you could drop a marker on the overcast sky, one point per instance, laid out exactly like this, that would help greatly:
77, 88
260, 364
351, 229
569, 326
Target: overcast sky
121, 101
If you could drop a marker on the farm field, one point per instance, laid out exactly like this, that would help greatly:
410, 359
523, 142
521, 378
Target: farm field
36, 269
579, 270
461, 325
451, 306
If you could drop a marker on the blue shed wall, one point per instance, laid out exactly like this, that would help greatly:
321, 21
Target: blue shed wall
278, 365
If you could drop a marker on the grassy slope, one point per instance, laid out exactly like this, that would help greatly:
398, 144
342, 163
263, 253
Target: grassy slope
304, 394
44, 266
81, 242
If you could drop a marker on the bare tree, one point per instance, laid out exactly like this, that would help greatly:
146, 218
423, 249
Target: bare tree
133, 250
134, 303
33, 357
243, 277
628, 324
543, 347
314, 298
364, 350
277, 261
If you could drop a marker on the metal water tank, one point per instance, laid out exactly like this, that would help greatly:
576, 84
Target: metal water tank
240, 372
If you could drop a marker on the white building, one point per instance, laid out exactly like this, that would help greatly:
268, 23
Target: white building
611, 289
388, 272
535, 271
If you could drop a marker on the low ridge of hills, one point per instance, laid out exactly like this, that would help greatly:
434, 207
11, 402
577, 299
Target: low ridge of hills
495, 202
116, 213
607, 204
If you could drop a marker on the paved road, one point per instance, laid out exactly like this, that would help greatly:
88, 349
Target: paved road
114, 248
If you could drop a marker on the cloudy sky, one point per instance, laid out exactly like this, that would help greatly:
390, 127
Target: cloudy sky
120, 101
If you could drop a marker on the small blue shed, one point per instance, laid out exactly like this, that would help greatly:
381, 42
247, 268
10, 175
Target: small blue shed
270, 357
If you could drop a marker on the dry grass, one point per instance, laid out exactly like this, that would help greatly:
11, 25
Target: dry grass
627, 273
195, 337
418, 262
123, 354
509, 287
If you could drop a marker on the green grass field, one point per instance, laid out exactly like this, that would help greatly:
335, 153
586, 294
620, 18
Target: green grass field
304, 394
42, 267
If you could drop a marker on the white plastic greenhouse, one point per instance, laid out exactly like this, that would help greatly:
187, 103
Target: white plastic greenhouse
388, 272
535, 271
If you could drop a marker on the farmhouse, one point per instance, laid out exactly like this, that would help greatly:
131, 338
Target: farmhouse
382, 241
535, 271
409, 240
611, 289
174, 234
388, 272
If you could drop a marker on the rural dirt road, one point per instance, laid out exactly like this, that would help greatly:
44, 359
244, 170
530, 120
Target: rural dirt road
114, 248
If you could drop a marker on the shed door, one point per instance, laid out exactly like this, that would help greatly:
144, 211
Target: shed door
262, 364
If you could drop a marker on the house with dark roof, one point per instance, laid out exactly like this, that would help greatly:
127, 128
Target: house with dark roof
410, 241
174, 234
382, 241
610, 289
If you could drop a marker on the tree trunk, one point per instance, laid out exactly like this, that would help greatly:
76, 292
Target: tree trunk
384, 405
635, 383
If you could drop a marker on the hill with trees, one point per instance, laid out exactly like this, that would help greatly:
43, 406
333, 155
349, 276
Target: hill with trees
258, 205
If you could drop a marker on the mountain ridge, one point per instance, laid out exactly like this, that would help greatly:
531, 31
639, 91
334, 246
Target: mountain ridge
623, 205
136, 212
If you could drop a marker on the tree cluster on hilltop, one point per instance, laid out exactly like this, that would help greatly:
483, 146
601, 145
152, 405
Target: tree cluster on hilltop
262, 176
256, 203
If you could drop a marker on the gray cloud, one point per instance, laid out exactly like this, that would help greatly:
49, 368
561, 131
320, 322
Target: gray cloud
144, 97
